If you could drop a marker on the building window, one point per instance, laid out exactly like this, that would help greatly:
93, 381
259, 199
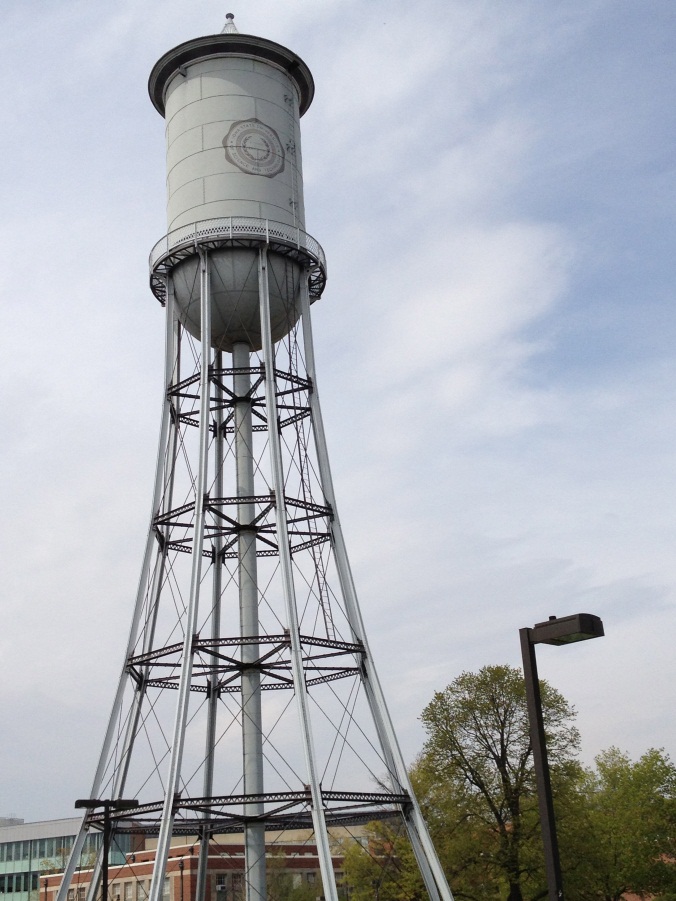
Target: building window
92, 843
141, 891
128, 889
81, 893
116, 891
71, 894
2, 885
311, 878
62, 849
166, 889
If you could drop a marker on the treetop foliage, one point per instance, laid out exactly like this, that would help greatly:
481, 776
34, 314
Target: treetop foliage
478, 746
478, 734
475, 781
628, 824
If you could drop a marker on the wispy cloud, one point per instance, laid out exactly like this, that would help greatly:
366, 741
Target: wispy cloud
494, 185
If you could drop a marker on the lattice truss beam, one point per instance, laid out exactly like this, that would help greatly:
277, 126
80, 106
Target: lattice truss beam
346, 739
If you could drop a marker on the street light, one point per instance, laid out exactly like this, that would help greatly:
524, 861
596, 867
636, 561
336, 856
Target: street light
108, 805
556, 630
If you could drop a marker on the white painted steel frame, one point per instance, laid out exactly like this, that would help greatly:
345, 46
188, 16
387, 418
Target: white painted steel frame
178, 735
300, 688
426, 856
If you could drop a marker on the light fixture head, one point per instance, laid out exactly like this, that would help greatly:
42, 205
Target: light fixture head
112, 803
567, 629
124, 804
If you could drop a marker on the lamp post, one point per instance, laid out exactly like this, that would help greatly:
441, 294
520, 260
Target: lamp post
107, 805
557, 630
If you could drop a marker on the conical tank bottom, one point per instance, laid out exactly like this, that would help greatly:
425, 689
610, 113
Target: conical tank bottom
235, 296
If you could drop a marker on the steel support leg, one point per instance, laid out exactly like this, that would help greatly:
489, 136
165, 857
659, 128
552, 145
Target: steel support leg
420, 840
302, 699
178, 735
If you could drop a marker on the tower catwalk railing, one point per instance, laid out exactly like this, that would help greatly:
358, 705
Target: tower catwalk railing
237, 231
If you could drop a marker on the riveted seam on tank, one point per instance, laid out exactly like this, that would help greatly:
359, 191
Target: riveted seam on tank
203, 179
287, 70
204, 100
189, 156
192, 103
201, 206
187, 210
181, 134
182, 160
226, 123
191, 182
261, 72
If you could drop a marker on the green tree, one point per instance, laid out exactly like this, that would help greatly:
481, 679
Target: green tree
477, 781
466, 852
628, 828
476, 784
286, 885
382, 867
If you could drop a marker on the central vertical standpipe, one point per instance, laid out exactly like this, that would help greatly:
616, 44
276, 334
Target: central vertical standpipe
232, 105
252, 726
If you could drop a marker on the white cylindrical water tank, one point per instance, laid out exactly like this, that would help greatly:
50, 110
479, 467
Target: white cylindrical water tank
232, 105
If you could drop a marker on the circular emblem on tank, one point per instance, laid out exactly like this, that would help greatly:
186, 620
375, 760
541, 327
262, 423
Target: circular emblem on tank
254, 148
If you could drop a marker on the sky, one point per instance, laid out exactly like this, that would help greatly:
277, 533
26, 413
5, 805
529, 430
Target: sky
493, 182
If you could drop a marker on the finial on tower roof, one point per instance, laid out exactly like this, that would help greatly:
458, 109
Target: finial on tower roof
230, 27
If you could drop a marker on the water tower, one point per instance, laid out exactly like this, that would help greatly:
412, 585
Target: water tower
248, 701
